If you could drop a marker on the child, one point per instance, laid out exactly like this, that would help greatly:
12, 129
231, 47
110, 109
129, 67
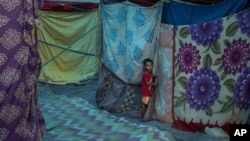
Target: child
147, 83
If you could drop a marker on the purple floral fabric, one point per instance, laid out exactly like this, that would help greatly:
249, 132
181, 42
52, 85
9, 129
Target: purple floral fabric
244, 23
188, 58
203, 89
207, 33
212, 73
241, 96
236, 56
20, 118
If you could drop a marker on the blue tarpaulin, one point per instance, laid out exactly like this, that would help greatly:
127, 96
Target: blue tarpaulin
179, 13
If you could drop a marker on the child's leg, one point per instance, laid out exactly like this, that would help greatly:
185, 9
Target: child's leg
145, 101
144, 109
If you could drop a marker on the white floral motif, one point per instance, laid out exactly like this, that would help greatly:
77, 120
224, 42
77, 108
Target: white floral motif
22, 55
10, 38
9, 5
2, 97
25, 18
10, 113
31, 80
20, 19
20, 93
3, 134
25, 129
21, 128
29, 4
9, 76
3, 59
4, 20
28, 38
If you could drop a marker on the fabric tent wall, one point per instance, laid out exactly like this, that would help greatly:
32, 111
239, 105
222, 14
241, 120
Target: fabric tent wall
212, 75
170, 42
80, 1
163, 102
138, 30
69, 7
130, 34
200, 2
20, 116
68, 46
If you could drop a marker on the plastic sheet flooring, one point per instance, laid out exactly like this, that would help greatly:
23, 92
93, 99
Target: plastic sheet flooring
71, 115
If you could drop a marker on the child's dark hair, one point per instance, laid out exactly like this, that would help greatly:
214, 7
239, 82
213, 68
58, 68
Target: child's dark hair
147, 60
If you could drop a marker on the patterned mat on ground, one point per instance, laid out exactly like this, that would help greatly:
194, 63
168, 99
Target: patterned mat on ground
74, 119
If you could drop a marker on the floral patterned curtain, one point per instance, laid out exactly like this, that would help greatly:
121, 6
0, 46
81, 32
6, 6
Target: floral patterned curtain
20, 118
212, 73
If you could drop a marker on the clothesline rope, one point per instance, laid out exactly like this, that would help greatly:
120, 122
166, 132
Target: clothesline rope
68, 48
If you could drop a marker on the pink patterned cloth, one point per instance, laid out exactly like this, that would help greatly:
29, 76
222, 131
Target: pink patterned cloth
20, 118
163, 100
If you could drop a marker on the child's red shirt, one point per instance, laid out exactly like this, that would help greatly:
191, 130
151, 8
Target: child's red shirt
146, 89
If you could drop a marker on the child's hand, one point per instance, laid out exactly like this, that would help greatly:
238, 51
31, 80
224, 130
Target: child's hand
154, 77
155, 80
156, 83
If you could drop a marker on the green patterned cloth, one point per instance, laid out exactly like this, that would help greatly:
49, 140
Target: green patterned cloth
74, 119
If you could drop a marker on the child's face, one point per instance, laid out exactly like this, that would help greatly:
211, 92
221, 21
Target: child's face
149, 66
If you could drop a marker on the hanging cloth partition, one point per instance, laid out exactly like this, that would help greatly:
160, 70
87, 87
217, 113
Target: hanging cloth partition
163, 103
20, 115
212, 73
130, 34
68, 46
79, 1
